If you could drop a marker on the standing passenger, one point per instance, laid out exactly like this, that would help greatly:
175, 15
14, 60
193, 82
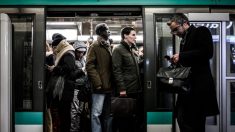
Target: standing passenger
196, 49
125, 60
65, 67
99, 70
49, 61
80, 101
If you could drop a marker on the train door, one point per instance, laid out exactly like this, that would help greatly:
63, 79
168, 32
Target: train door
229, 74
159, 42
28, 46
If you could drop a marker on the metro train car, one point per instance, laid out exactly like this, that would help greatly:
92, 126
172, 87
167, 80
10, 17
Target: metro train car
26, 26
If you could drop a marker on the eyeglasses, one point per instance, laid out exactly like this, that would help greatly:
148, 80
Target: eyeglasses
175, 30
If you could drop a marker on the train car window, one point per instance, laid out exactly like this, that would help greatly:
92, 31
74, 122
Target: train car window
230, 47
165, 46
22, 61
232, 103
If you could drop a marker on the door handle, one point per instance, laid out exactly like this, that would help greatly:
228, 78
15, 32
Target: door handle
149, 84
40, 85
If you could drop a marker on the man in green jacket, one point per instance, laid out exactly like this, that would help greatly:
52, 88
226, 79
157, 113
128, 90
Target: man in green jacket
99, 69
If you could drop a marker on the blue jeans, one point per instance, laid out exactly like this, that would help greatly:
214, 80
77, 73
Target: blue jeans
100, 101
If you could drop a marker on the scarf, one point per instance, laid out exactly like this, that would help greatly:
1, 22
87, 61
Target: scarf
61, 49
105, 43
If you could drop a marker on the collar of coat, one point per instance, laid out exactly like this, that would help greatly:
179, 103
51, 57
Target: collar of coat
105, 44
128, 47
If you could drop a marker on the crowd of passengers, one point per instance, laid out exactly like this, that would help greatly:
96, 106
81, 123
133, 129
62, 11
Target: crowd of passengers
82, 79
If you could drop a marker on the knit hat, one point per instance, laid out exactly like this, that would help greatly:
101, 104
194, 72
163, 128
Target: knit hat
57, 37
80, 46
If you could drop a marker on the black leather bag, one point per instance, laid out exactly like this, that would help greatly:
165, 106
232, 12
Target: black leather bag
123, 107
174, 79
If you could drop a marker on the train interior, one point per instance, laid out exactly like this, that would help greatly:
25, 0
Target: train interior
32, 27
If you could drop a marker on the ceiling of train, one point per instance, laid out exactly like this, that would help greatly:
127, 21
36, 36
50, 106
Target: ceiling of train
79, 23
82, 27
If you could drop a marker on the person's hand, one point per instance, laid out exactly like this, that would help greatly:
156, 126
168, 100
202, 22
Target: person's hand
50, 68
175, 58
99, 87
123, 93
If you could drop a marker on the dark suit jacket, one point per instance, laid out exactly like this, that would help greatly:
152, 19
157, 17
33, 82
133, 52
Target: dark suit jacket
196, 53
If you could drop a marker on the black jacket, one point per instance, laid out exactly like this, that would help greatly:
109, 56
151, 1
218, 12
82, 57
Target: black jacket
196, 53
66, 68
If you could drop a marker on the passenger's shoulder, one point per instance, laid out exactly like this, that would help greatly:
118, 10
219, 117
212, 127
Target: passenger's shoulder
202, 28
95, 43
117, 47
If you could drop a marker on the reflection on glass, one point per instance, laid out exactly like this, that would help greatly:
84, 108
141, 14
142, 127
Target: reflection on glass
232, 99
164, 44
22, 61
230, 47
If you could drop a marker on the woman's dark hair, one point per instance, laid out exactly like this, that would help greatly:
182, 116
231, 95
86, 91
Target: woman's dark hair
127, 31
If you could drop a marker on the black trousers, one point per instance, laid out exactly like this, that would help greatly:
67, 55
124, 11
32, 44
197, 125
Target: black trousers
190, 121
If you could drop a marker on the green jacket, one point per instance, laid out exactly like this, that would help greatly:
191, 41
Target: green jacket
99, 66
126, 68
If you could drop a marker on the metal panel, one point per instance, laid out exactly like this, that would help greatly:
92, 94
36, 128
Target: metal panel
150, 62
6, 76
38, 58
208, 16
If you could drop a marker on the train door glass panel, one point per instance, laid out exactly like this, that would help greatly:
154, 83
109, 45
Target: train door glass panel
164, 47
230, 47
231, 101
230, 73
22, 61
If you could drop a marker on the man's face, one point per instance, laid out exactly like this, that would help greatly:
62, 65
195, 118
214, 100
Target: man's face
79, 54
177, 29
131, 38
105, 34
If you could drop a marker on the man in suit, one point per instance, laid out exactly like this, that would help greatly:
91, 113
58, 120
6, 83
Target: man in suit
196, 49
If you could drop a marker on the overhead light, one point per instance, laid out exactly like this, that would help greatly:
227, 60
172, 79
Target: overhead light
61, 23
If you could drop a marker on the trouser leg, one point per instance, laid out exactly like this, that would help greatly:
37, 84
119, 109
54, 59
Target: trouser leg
96, 110
75, 113
190, 121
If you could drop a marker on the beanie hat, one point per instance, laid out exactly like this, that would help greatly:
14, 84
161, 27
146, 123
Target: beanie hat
57, 37
80, 46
